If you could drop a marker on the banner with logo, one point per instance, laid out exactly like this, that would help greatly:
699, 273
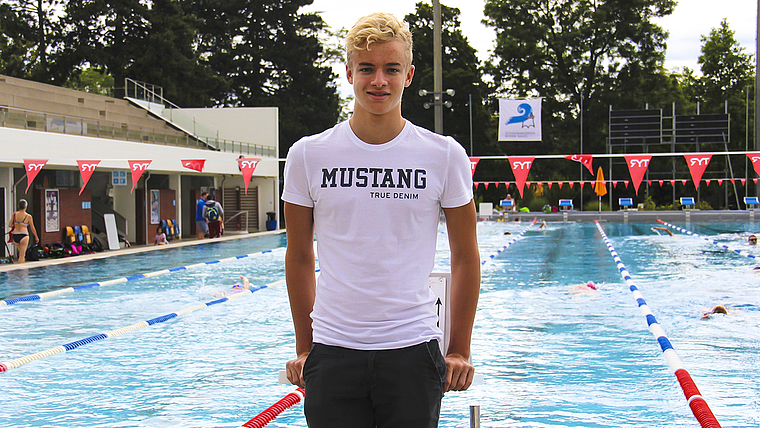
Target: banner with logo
137, 168
520, 120
637, 166
754, 157
697, 166
194, 164
86, 168
247, 166
521, 168
32, 168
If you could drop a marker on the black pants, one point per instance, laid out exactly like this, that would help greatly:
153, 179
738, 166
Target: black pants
347, 388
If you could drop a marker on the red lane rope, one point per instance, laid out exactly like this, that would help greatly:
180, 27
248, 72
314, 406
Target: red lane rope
275, 409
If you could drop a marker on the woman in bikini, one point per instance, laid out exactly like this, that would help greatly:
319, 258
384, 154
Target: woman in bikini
21, 222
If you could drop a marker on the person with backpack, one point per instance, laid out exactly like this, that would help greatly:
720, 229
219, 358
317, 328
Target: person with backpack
213, 213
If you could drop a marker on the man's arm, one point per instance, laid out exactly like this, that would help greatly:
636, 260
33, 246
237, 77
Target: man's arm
301, 282
461, 223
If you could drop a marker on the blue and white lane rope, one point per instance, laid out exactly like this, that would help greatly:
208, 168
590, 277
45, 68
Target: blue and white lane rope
48, 294
710, 240
511, 241
696, 402
15, 363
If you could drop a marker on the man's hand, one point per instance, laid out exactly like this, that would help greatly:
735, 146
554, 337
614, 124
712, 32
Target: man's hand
459, 373
294, 369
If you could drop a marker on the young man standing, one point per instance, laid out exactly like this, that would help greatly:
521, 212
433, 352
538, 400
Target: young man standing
372, 189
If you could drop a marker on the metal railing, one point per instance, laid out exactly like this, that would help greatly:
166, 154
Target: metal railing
12, 117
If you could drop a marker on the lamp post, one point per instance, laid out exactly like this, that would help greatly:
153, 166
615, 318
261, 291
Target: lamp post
437, 104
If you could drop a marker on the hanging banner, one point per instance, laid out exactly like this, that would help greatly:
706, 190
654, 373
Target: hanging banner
86, 168
697, 166
137, 168
521, 168
474, 164
194, 164
520, 120
637, 166
586, 160
247, 166
32, 168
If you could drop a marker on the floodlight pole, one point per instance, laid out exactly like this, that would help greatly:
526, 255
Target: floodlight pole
757, 78
437, 76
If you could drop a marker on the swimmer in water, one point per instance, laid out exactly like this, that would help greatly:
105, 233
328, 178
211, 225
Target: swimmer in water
588, 287
720, 309
543, 224
663, 228
237, 288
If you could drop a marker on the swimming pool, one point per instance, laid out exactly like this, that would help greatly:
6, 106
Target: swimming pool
549, 358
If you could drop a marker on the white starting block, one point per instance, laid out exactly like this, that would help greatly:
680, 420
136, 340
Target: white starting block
752, 202
688, 202
440, 284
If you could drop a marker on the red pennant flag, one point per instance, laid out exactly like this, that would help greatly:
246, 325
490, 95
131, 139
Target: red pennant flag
549, 184
521, 168
248, 165
697, 166
649, 182
720, 182
626, 184
660, 182
744, 181
586, 160
32, 168
683, 182
559, 183
137, 168
672, 182
614, 184
194, 164
755, 180
755, 158
486, 184
637, 166
86, 168
732, 181
474, 164
582, 183
707, 182
571, 184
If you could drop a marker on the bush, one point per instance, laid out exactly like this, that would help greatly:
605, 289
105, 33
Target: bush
594, 206
537, 204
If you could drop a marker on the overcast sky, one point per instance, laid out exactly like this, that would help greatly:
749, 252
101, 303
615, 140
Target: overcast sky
691, 20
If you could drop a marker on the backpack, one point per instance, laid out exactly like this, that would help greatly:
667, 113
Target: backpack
34, 253
212, 213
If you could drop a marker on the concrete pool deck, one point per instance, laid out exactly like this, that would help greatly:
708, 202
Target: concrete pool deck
132, 250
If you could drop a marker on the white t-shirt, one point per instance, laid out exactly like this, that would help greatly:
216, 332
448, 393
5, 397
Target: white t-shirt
376, 211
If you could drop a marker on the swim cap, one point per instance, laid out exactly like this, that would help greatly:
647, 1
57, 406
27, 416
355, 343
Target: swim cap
591, 285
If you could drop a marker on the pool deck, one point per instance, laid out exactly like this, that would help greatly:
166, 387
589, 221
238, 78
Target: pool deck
132, 250
631, 216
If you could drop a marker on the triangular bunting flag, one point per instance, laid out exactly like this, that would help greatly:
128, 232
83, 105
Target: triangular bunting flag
697, 166
474, 164
32, 168
521, 168
248, 165
137, 168
637, 166
586, 160
194, 164
86, 168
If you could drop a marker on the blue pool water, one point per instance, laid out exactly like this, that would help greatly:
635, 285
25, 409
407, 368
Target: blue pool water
549, 357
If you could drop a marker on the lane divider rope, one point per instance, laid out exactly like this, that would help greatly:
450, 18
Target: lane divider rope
275, 409
512, 241
40, 296
710, 240
694, 398
18, 362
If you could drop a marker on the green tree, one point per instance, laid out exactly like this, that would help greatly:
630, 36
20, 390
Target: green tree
460, 71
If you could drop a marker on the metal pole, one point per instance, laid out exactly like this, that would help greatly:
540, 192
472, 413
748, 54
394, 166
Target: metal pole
437, 76
474, 416
757, 79
580, 167
470, 104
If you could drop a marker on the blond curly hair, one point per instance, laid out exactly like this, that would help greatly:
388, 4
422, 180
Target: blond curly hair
378, 28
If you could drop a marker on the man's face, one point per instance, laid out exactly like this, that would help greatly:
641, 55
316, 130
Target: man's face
379, 77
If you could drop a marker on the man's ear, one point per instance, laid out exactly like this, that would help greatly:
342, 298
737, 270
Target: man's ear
349, 74
409, 76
